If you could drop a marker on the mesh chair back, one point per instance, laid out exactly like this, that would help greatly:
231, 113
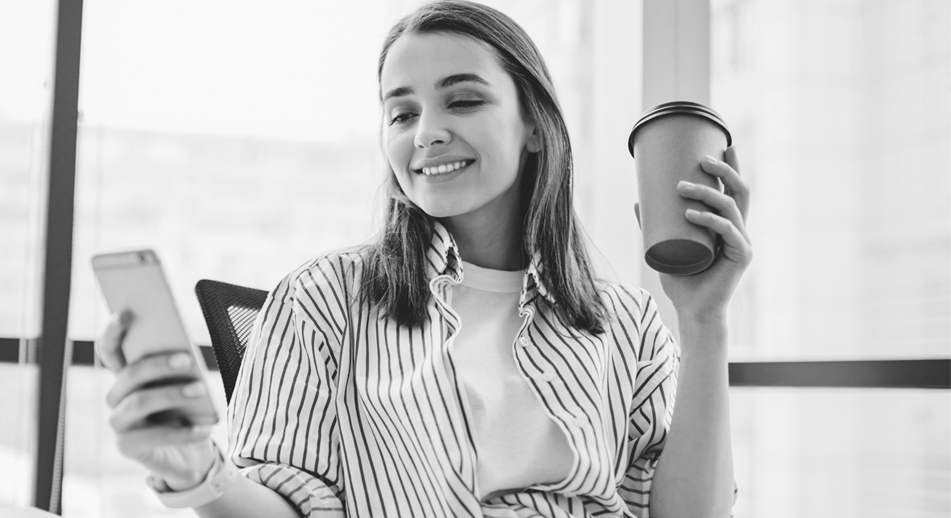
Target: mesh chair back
229, 312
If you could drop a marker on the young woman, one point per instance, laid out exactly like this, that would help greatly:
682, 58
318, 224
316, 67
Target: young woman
468, 363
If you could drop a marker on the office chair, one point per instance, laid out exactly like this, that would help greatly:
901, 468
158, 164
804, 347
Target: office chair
229, 311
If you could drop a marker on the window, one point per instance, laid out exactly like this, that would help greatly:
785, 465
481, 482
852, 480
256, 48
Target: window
841, 452
841, 112
26, 52
842, 116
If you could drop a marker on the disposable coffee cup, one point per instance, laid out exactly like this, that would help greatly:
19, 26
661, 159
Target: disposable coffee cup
667, 143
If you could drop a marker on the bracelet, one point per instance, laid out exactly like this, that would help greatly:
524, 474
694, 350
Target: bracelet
221, 475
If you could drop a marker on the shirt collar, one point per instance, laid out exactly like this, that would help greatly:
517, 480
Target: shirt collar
444, 259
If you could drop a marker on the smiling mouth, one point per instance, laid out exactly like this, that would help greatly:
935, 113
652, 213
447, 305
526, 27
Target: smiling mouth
444, 169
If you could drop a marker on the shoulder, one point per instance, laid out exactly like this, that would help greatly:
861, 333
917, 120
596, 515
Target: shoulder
626, 302
337, 272
634, 319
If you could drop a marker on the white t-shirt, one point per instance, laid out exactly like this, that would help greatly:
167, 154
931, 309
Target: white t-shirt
518, 444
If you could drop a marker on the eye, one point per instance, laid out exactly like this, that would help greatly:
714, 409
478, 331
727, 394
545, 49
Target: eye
467, 104
401, 118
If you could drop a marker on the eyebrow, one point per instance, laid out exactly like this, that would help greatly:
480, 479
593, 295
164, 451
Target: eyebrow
445, 82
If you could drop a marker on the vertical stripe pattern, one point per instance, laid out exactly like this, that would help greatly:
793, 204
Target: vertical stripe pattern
345, 413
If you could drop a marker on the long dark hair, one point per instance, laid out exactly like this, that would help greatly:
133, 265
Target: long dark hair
396, 274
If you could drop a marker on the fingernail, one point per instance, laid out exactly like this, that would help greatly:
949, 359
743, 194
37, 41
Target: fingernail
125, 318
193, 390
683, 183
709, 159
691, 212
179, 361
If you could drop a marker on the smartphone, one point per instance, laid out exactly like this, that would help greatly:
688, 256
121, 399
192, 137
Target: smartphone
134, 281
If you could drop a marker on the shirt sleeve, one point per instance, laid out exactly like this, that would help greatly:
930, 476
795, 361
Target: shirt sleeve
282, 418
652, 406
658, 365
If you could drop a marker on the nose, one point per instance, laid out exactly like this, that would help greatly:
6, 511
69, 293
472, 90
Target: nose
431, 130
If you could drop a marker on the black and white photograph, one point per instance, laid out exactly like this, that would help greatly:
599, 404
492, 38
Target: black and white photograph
475, 258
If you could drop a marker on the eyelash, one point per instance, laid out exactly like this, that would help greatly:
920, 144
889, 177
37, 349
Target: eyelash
474, 103
400, 118
464, 105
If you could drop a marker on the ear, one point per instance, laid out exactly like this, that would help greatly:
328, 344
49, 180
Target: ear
534, 143
637, 214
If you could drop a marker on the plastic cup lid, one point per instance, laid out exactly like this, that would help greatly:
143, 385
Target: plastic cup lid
679, 108
688, 105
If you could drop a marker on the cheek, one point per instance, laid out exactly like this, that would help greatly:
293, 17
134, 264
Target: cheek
396, 154
398, 157
510, 140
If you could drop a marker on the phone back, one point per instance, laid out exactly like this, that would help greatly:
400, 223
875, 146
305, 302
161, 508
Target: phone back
134, 281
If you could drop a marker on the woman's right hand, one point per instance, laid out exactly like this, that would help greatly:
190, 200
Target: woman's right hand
179, 455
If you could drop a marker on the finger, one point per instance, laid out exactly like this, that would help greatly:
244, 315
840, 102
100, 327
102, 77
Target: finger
734, 184
729, 156
140, 442
724, 204
109, 345
735, 245
149, 370
134, 410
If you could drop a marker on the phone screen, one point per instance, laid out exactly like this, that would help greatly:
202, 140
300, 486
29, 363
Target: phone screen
134, 281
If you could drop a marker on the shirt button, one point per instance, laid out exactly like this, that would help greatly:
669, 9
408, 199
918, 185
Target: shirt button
548, 376
523, 341
579, 422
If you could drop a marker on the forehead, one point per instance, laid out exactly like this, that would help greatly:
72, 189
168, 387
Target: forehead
423, 58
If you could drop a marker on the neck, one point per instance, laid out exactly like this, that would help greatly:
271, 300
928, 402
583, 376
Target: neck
489, 240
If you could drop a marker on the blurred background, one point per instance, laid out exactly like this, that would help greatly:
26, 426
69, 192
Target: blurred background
239, 139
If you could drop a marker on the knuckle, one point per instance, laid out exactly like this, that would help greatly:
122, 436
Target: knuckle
145, 371
112, 397
113, 331
124, 445
723, 224
113, 325
157, 365
138, 402
115, 421
97, 346
121, 389
161, 362
105, 342
135, 372
130, 443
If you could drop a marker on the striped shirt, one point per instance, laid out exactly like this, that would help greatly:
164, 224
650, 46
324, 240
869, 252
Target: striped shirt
345, 413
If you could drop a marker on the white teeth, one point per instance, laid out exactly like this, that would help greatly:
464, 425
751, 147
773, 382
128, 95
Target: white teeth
445, 168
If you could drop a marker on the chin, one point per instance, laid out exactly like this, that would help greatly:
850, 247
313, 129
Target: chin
439, 211
441, 207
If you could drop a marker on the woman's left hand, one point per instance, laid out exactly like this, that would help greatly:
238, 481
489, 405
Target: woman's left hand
707, 294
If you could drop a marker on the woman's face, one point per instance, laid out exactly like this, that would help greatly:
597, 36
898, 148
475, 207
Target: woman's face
453, 131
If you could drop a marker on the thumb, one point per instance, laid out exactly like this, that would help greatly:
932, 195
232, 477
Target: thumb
109, 345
